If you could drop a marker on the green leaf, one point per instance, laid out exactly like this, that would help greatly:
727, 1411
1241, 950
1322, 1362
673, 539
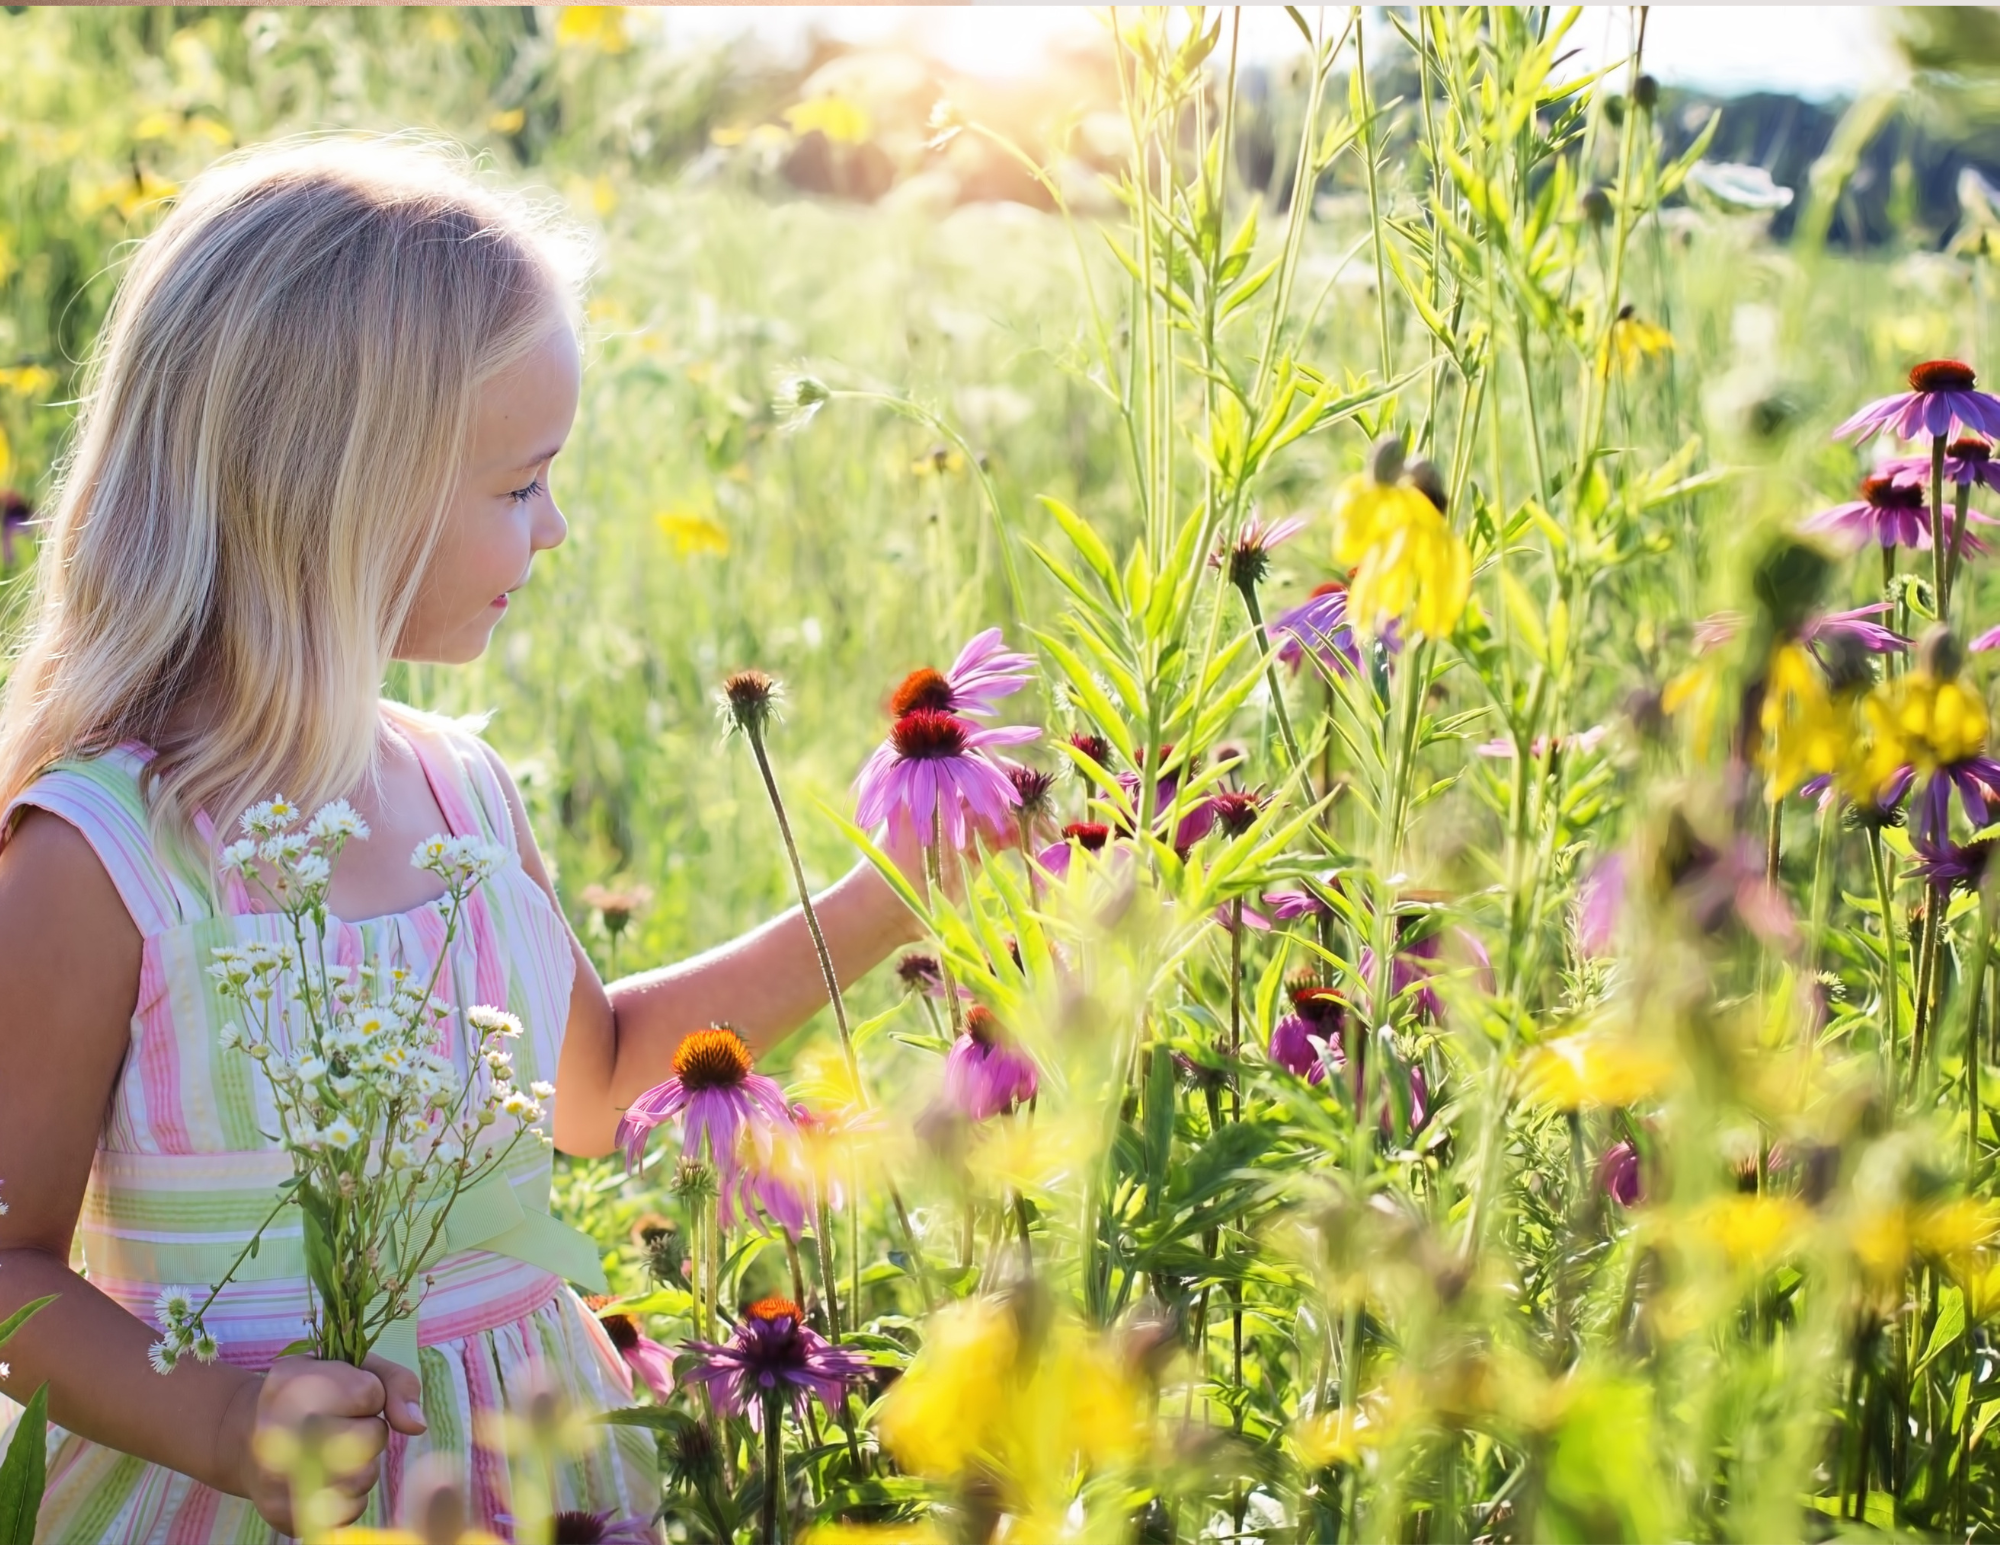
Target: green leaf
22, 1315
1949, 1328
319, 1249
24, 1472
664, 1300
1088, 544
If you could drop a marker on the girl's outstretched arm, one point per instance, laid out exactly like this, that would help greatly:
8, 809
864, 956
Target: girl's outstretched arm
69, 980
621, 1039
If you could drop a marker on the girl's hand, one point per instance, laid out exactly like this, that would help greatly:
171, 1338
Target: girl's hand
338, 1409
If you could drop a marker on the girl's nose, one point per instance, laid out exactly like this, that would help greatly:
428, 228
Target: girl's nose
550, 527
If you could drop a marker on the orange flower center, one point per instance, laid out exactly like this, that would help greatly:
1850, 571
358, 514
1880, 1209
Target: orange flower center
1886, 494
775, 1308
712, 1059
620, 1328
1331, 587
1942, 375
1969, 448
924, 688
1091, 834
984, 1027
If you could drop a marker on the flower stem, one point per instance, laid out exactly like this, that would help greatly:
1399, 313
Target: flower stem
1956, 555
756, 738
1940, 549
774, 1468
1890, 988
1294, 761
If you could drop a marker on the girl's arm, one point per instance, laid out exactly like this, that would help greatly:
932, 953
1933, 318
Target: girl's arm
69, 979
620, 1040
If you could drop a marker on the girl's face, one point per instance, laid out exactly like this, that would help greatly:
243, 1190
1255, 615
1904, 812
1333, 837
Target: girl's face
502, 513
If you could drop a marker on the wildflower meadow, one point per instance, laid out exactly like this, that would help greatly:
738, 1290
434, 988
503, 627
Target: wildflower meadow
1441, 689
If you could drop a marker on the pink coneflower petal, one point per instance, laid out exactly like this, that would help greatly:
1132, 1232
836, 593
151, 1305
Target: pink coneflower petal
984, 672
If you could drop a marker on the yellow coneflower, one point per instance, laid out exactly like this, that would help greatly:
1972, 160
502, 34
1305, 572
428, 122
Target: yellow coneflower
1409, 565
1631, 341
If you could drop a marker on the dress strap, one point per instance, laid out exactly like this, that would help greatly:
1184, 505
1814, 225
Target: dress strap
461, 775
100, 796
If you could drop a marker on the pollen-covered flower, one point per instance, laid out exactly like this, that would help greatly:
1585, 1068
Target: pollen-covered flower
986, 1074
934, 768
739, 1116
1943, 398
1409, 565
774, 1354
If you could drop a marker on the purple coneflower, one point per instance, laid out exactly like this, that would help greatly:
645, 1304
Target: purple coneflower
1888, 513
985, 1073
1952, 865
1234, 810
1304, 1041
576, 1526
1091, 836
1975, 779
1417, 962
1582, 740
730, 1107
1942, 396
985, 671
1289, 904
1249, 558
1855, 625
1318, 624
17, 516
775, 1354
1618, 1173
1968, 463
643, 1355
1600, 902
934, 764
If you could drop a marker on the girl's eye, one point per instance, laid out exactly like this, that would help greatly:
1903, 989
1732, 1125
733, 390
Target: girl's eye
523, 495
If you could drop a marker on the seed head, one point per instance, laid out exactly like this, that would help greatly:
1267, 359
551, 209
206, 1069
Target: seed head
922, 688
1031, 788
749, 700
1386, 466
715, 1058
929, 734
1942, 375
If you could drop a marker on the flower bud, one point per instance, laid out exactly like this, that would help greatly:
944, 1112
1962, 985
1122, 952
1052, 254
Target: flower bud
1387, 464
1646, 93
1940, 653
1429, 481
1595, 205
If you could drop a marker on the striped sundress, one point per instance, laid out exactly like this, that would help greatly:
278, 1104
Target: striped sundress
183, 1170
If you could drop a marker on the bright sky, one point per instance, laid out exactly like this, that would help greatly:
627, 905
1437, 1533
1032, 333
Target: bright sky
1812, 51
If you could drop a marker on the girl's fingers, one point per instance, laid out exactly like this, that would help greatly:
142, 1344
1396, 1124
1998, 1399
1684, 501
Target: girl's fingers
403, 1395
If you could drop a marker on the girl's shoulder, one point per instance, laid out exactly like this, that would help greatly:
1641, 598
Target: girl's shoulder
101, 797
475, 791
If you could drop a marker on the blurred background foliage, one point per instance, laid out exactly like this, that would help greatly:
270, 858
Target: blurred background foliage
756, 216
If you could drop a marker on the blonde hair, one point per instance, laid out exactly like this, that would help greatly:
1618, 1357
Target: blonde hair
271, 431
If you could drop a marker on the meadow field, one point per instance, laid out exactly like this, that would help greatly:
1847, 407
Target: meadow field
1509, 1111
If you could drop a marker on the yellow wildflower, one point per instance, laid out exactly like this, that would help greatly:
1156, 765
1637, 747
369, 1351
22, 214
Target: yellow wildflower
1807, 731
1920, 721
1631, 340
1753, 1230
28, 380
1598, 1070
842, 121
1408, 563
693, 533
601, 27
978, 1404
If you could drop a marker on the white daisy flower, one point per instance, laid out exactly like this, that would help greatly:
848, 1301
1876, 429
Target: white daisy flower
336, 821
162, 1357
340, 1133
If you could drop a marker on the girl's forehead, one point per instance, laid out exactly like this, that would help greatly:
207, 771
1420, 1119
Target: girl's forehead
523, 415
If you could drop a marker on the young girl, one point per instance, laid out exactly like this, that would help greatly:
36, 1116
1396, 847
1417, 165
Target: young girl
318, 438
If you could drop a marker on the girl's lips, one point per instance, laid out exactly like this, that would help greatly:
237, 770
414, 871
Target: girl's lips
500, 601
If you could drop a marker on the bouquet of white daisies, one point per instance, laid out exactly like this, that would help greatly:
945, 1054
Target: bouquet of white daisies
385, 1132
